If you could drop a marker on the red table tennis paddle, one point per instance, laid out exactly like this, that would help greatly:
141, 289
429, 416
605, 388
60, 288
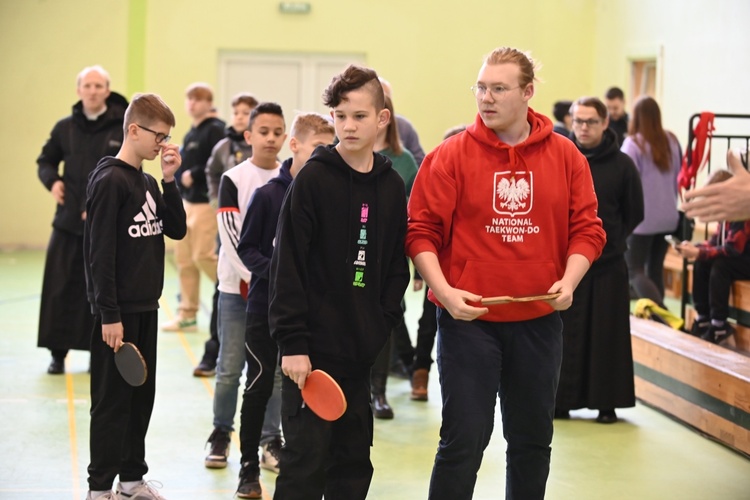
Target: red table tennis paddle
131, 365
505, 299
324, 396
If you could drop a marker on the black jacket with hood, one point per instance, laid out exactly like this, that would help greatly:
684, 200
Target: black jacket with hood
617, 184
196, 150
80, 143
255, 247
123, 240
339, 270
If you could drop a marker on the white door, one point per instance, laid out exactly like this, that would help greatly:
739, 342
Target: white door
294, 81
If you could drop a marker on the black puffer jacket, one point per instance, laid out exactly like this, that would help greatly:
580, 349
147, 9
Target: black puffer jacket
79, 143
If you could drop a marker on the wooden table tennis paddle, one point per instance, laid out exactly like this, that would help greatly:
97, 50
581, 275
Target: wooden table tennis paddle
131, 365
505, 299
324, 396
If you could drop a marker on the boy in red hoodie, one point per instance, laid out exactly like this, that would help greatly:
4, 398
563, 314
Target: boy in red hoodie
505, 208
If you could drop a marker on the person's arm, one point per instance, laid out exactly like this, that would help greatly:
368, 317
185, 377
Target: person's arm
575, 268
249, 248
397, 276
728, 200
198, 171
288, 302
172, 210
104, 198
632, 198
229, 222
48, 164
453, 299
215, 167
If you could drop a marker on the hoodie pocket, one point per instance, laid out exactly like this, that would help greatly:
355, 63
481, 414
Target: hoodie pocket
514, 278
349, 327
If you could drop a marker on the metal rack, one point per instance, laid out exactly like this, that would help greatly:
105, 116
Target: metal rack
731, 140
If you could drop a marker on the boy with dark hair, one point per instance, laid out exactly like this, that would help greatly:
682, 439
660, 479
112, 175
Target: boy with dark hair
233, 149
262, 390
564, 121
124, 254
618, 118
266, 134
338, 274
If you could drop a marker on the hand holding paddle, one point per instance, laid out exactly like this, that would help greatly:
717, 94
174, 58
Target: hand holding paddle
130, 364
324, 396
505, 299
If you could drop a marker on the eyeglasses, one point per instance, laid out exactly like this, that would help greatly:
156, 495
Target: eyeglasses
158, 135
589, 123
496, 91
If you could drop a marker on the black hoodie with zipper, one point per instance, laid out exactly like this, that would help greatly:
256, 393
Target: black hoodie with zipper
79, 143
123, 238
339, 270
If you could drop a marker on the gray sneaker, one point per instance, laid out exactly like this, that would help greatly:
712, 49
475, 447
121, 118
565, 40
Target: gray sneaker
144, 491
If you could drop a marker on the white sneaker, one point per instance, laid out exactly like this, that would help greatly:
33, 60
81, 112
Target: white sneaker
180, 324
144, 491
269, 460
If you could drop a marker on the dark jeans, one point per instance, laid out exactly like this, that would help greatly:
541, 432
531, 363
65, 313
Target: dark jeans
262, 358
712, 282
120, 413
479, 361
645, 259
426, 335
320, 457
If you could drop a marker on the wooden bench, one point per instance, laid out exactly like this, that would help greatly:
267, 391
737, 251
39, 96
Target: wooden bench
701, 384
673, 274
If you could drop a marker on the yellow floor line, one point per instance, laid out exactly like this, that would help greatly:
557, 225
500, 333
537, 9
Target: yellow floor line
72, 434
206, 380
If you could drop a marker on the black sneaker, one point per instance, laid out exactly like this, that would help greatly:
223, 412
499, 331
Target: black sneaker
206, 368
219, 441
716, 334
249, 486
699, 328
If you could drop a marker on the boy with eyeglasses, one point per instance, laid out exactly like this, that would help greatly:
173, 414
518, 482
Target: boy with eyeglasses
123, 243
597, 365
505, 208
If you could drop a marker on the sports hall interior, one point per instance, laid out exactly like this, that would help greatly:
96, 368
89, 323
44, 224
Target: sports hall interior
688, 436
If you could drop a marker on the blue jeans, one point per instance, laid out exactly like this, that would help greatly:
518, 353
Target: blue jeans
477, 362
231, 359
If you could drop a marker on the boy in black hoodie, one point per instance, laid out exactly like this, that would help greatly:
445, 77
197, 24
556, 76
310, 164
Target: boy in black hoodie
123, 243
337, 277
255, 249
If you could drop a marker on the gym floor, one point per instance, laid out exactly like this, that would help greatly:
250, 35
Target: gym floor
44, 421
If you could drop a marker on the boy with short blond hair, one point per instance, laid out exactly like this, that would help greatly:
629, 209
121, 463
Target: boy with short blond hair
337, 276
266, 133
127, 217
196, 253
262, 395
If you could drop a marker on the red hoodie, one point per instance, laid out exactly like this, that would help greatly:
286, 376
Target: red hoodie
503, 220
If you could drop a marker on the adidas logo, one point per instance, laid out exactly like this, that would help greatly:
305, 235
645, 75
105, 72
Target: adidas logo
146, 222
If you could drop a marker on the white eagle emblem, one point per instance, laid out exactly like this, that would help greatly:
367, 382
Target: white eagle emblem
512, 193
